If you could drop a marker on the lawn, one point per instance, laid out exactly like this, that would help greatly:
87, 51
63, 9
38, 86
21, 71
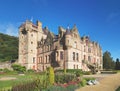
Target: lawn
19, 79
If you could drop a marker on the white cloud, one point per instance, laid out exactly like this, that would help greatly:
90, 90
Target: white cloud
9, 28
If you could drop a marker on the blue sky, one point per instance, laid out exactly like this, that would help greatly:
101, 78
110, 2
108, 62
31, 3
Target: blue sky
100, 19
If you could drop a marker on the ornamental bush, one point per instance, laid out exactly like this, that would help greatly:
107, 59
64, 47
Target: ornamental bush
51, 75
18, 68
64, 78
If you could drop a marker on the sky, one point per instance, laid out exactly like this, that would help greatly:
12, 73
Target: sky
99, 19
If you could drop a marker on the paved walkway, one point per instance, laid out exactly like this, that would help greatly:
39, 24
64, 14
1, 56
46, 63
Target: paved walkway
108, 83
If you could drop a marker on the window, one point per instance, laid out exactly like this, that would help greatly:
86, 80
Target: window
41, 59
46, 58
77, 56
49, 58
33, 59
47, 48
74, 66
89, 58
61, 55
31, 42
89, 50
73, 55
77, 66
84, 57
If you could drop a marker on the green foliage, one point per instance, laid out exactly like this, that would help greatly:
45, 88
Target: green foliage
60, 88
25, 87
118, 89
64, 78
78, 72
6, 70
117, 66
74, 70
87, 79
51, 75
8, 47
87, 72
30, 71
83, 82
108, 62
64, 71
18, 68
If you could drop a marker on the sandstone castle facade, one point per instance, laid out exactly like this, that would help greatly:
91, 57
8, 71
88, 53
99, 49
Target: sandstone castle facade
39, 48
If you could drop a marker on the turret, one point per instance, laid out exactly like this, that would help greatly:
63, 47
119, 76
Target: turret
39, 25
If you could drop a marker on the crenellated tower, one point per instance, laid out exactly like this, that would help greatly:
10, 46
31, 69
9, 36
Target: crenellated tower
29, 34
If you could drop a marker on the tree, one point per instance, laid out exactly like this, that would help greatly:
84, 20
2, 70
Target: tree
108, 62
117, 66
8, 47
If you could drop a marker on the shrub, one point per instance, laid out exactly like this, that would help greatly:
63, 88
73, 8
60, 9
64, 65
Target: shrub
60, 88
64, 71
87, 79
31, 86
51, 75
64, 78
18, 68
118, 89
1, 70
6, 70
30, 71
87, 72
83, 82
78, 72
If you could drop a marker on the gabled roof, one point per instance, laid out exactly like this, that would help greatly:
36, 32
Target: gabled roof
49, 39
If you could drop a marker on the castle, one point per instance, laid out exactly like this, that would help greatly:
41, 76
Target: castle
39, 48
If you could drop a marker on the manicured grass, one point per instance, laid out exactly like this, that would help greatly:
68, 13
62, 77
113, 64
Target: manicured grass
19, 79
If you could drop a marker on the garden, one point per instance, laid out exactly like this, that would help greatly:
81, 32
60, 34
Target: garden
49, 80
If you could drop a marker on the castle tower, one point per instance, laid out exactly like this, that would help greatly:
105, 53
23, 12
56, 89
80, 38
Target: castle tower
28, 37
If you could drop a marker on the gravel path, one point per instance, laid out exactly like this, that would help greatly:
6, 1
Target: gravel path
107, 83
7, 78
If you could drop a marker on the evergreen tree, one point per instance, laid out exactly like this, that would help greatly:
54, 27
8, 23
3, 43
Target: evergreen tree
108, 62
117, 66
